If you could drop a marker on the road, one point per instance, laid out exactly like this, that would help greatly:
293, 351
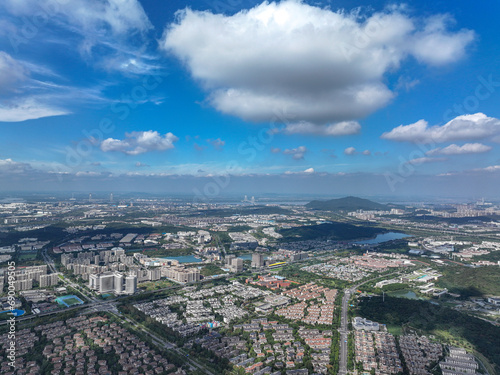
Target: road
344, 330
52, 267
194, 364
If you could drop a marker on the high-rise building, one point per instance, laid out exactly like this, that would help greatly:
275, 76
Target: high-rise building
229, 259
118, 283
106, 282
237, 265
113, 282
183, 275
49, 280
257, 260
154, 273
25, 284
130, 284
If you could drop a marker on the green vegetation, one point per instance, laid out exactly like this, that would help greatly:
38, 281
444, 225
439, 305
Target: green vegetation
154, 285
394, 246
450, 326
211, 269
470, 282
71, 301
346, 204
334, 231
53, 233
293, 272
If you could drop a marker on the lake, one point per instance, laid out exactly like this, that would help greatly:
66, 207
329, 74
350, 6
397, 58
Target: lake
384, 237
185, 259
410, 294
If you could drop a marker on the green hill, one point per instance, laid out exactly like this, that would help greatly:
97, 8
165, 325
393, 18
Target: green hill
346, 204
333, 231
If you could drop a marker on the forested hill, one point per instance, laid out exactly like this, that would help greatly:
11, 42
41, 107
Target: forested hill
347, 204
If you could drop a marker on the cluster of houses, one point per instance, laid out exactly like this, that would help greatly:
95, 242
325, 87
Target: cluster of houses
68, 349
419, 352
286, 351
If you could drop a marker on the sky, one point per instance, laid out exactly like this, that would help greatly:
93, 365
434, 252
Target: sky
214, 97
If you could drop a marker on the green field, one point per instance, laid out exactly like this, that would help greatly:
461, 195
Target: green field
71, 301
211, 269
469, 282
30, 256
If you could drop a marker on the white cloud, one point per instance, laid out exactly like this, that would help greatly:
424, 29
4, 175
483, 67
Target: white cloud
337, 129
418, 161
27, 91
12, 73
292, 62
28, 109
118, 27
453, 149
217, 143
465, 127
10, 166
275, 150
436, 45
89, 174
309, 170
140, 142
297, 153
350, 151
491, 168
96, 18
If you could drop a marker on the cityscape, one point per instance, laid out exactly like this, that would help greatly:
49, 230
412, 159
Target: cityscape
162, 285
265, 187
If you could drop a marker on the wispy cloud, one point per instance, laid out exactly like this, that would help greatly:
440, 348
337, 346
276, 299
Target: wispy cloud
468, 148
423, 160
334, 130
218, 143
353, 151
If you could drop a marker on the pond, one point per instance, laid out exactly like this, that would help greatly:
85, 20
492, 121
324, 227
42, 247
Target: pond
384, 237
410, 294
185, 259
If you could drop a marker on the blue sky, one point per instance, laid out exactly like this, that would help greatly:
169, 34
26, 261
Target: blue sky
328, 97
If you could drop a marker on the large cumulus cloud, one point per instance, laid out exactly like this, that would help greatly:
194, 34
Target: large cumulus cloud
297, 63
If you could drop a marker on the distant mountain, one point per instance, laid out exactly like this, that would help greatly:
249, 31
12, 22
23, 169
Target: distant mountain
347, 204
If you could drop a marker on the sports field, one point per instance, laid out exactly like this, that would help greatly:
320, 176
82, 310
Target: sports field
69, 300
